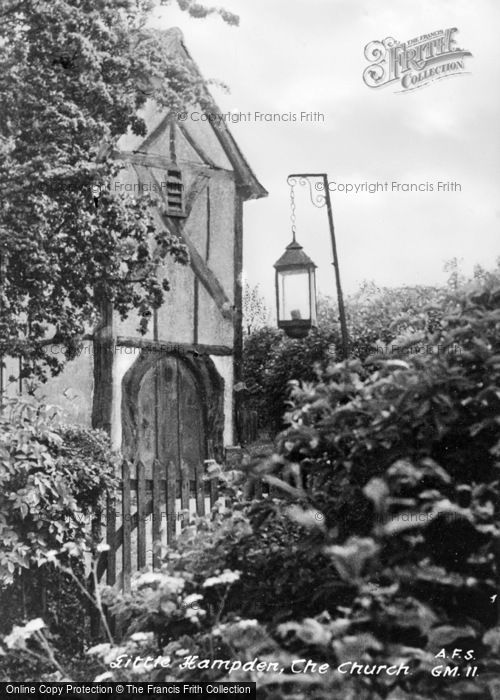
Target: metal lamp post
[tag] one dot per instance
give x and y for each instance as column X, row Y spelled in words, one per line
column 295, row 258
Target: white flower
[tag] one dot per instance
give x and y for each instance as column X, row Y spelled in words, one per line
column 140, row 669
column 168, row 607
column 308, row 518
column 182, row 652
column 245, row 624
column 148, row 578
column 99, row 649
column 103, row 547
column 107, row 676
column 309, row 630
column 226, row 577
column 193, row 613
column 190, row 599
column 174, row 584
column 17, row 638
column 113, row 654
column 142, row 637
column 35, row 625
column 72, row 548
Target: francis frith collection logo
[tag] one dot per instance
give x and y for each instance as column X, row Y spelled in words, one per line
column 414, row 63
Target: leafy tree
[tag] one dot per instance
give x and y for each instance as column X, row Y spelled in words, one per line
column 271, row 361
column 73, row 75
column 255, row 311
column 382, row 321
column 53, row 479
column 377, row 317
column 400, row 467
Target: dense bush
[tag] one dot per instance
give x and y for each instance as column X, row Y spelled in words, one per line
column 379, row 319
column 404, row 466
column 379, row 543
column 53, row 478
column 389, row 518
column 271, row 360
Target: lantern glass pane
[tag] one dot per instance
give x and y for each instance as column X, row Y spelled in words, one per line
column 294, row 295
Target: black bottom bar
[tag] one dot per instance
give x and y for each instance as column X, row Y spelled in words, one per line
column 127, row 691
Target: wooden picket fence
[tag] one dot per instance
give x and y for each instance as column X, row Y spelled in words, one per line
column 145, row 515
column 248, row 425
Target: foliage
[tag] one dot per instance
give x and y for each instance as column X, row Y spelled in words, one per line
column 377, row 544
column 53, row 480
column 378, row 320
column 51, row 594
column 48, row 487
column 381, row 320
column 390, row 517
column 379, row 317
column 271, row 360
column 73, row 76
column 200, row 604
column 403, row 465
column 255, row 311
column 32, row 652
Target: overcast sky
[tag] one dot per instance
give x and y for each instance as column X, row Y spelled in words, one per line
column 308, row 55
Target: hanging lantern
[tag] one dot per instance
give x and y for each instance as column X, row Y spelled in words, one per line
column 295, row 285
column 295, row 291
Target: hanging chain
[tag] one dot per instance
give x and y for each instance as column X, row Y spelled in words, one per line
column 292, row 210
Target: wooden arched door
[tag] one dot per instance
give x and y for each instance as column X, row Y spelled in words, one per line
column 170, row 425
column 172, row 420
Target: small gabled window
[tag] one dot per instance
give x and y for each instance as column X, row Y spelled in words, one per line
column 175, row 193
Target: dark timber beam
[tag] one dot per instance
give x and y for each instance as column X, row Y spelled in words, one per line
column 238, row 303
column 151, row 160
column 168, row 346
column 102, row 404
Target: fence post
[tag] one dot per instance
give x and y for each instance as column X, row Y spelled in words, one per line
column 212, row 482
column 95, row 619
column 126, row 528
column 141, row 515
column 171, row 496
column 156, row 513
column 110, row 539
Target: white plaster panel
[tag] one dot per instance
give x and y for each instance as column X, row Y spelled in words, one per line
column 184, row 151
column 124, row 359
column 202, row 132
column 72, row 390
column 213, row 328
column 221, row 255
column 176, row 315
column 224, row 366
column 129, row 327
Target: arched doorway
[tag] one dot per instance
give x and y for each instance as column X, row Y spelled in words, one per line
column 168, row 418
column 172, row 420
column 172, row 410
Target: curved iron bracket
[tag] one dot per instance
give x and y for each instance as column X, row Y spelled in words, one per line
column 317, row 199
